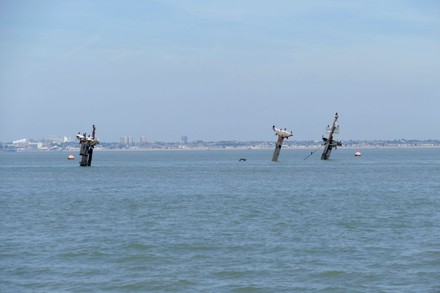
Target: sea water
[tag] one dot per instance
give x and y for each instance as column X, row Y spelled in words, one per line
column 203, row 221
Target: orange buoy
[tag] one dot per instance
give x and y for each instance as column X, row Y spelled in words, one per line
column 70, row 157
column 357, row 154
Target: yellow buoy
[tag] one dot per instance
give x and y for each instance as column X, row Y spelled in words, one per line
column 70, row 157
column 357, row 154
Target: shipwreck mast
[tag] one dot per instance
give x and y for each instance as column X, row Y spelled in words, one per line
column 329, row 143
column 87, row 145
column 282, row 134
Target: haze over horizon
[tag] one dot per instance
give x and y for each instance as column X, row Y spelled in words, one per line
column 219, row 70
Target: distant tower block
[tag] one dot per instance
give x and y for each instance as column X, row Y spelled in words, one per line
column 282, row 134
column 329, row 143
column 184, row 139
column 143, row 140
column 87, row 145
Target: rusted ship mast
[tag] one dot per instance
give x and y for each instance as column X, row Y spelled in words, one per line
column 282, row 134
column 329, row 143
column 87, row 145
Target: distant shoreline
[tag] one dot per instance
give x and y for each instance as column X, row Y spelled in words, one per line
column 26, row 145
column 286, row 148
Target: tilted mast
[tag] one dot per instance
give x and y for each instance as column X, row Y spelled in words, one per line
column 87, row 145
column 282, row 134
column 329, row 143
column 93, row 132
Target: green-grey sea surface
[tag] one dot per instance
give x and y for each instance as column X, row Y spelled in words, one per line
column 203, row 221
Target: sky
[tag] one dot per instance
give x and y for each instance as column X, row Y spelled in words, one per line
column 219, row 70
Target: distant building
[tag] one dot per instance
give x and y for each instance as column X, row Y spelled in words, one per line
column 184, row 139
column 36, row 146
column 56, row 139
column 143, row 140
column 126, row 140
column 20, row 143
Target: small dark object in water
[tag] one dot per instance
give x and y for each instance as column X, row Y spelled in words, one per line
column 242, row 159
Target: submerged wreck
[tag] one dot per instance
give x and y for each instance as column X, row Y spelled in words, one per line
column 282, row 134
column 87, row 145
column 329, row 142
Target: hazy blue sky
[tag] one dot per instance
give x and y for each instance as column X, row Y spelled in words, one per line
column 219, row 70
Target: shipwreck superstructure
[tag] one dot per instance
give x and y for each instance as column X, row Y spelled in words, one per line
column 329, row 142
column 282, row 134
column 87, row 145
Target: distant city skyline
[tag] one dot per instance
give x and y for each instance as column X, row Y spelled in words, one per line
column 129, row 140
column 55, row 143
column 219, row 70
